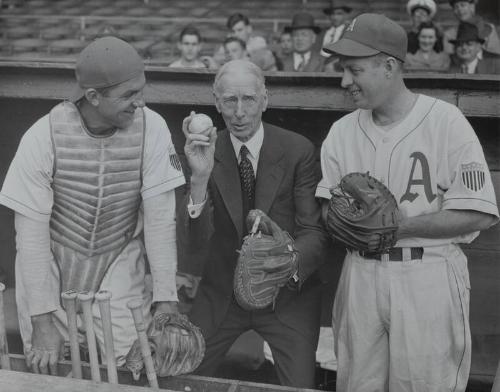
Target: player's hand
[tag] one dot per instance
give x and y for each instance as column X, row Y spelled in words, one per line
column 199, row 150
column 47, row 345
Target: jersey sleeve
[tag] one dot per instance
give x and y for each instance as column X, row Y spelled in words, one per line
column 27, row 186
column 470, row 186
column 162, row 169
column 330, row 169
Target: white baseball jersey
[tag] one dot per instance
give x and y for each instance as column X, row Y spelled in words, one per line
column 431, row 160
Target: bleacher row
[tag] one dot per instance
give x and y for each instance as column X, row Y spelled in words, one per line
column 56, row 30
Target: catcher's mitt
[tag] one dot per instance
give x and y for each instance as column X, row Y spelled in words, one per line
column 266, row 262
column 363, row 214
column 177, row 346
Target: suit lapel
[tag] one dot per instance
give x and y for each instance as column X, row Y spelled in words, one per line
column 227, row 179
column 270, row 170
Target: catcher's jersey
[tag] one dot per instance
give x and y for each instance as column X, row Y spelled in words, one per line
column 431, row 160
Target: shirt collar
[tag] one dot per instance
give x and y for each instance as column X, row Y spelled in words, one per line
column 254, row 144
column 471, row 67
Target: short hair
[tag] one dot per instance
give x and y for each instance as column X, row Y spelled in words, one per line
column 236, row 18
column 228, row 40
column 190, row 30
column 241, row 64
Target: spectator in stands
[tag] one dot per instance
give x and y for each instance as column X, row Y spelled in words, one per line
column 469, row 57
column 190, row 46
column 338, row 13
column 235, row 49
column 420, row 11
column 286, row 44
column 304, row 58
column 219, row 55
column 240, row 27
column 427, row 58
column 264, row 58
column 465, row 11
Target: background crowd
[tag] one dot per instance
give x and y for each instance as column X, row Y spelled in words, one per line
column 470, row 46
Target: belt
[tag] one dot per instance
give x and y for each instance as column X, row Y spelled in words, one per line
column 394, row 254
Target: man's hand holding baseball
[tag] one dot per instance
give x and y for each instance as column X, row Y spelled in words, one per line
column 199, row 150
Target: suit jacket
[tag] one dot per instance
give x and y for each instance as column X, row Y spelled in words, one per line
column 316, row 63
column 285, row 184
column 490, row 64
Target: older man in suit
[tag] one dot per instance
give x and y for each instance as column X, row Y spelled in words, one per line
column 305, row 57
column 469, row 56
column 282, row 167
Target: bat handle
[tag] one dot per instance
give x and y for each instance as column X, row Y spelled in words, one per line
column 4, row 349
column 85, row 299
column 69, row 302
column 103, row 297
column 135, row 306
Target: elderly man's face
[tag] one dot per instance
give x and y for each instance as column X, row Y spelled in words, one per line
column 241, row 99
column 467, row 51
column 464, row 10
column 303, row 40
column 116, row 106
column 242, row 31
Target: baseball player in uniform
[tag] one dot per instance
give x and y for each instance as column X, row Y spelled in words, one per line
column 77, row 184
column 400, row 319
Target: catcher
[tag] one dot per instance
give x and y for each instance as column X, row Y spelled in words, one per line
column 271, row 285
column 400, row 317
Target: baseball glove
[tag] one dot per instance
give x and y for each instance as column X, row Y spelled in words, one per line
column 266, row 262
column 363, row 214
column 177, row 346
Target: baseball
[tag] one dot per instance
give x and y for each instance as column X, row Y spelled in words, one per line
column 200, row 123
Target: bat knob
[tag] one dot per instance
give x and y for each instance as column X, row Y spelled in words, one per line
column 103, row 295
column 134, row 303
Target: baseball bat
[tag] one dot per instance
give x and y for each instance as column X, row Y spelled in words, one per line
column 69, row 302
column 4, row 349
column 103, row 298
column 86, row 298
column 135, row 306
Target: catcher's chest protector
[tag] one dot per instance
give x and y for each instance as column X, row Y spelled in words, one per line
column 96, row 184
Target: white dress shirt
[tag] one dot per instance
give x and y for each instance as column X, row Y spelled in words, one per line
column 332, row 35
column 298, row 58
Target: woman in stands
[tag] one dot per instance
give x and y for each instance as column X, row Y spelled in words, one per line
column 427, row 57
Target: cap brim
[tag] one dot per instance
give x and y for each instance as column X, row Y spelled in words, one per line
column 350, row 48
column 78, row 94
column 458, row 41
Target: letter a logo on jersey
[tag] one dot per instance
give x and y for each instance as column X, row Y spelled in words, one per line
column 425, row 180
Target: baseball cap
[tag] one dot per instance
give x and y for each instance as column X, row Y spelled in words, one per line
column 106, row 62
column 370, row 34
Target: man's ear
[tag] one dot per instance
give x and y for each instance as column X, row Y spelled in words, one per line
column 266, row 100
column 92, row 96
column 391, row 66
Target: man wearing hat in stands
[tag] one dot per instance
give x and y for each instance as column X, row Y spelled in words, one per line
column 400, row 317
column 304, row 57
column 420, row 11
column 338, row 13
column 469, row 58
column 79, row 178
column 465, row 11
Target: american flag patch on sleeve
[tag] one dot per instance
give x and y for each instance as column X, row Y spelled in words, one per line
column 174, row 158
column 473, row 176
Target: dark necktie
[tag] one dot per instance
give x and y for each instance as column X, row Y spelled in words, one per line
column 247, row 177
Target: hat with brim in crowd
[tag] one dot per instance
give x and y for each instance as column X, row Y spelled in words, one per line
column 336, row 6
column 467, row 32
column 427, row 5
column 106, row 62
column 302, row 20
column 371, row 34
